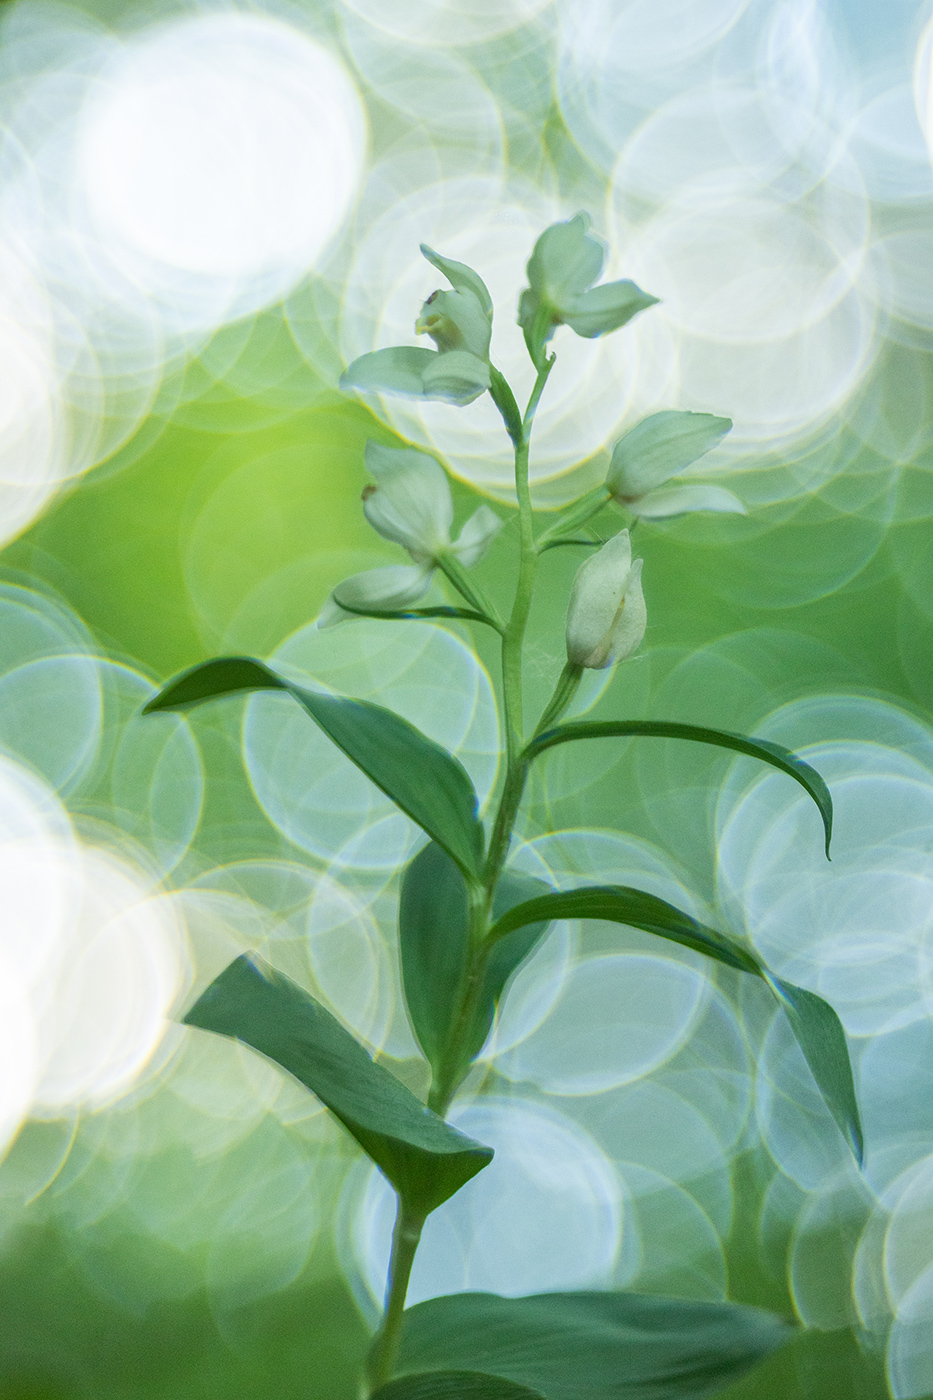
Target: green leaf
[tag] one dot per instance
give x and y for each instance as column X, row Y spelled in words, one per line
column 461, row 277
column 435, row 950
column 397, row 370
column 433, row 924
column 820, row 1035
column 454, row 1385
column 619, row 904
column 420, row 777
column 425, row 1159
column 410, row 614
column 606, row 308
column 226, row 675
column 775, row 754
column 814, row 1023
column 604, row 1346
column 508, row 953
column 659, row 447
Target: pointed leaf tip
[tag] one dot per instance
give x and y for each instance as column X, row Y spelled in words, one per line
column 774, row 754
column 425, row 1159
column 211, row 680
column 820, row 1035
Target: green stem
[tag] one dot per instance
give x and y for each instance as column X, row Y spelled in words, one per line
column 405, row 1240
column 579, row 513
column 451, row 567
column 513, row 641
column 566, row 688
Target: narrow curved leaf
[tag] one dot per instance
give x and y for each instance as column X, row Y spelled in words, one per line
column 454, row 1385
column 425, row 1159
column 775, row 754
column 435, row 950
column 814, row 1023
column 409, row 614
column 619, row 904
column 820, row 1035
column 605, row 1346
column 420, row 777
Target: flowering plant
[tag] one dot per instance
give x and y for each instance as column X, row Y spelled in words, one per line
column 467, row 918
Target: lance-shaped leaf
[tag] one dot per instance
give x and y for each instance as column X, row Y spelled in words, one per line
column 619, row 904
column 434, row 939
column 813, row 1021
column 605, row 1346
column 425, row 1159
column 454, row 1385
column 820, row 1035
column 423, row 779
column 774, row 754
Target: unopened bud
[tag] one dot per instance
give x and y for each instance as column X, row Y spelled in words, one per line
column 606, row 615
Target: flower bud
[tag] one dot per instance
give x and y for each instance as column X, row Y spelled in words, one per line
column 606, row 615
column 659, row 447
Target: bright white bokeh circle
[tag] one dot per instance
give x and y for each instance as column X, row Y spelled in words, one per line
column 221, row 146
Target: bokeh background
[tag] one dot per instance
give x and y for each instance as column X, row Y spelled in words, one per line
column 205, row 212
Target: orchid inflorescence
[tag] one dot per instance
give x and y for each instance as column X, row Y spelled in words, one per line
column 467, row 917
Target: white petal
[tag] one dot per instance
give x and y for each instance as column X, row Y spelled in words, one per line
column 679, row 500
column 595, row 599
column 392, row 589
column 660, row 447
column 411, row 502
column 476, row 536
column 628, row 629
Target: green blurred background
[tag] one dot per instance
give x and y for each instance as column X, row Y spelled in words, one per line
column 763, row 166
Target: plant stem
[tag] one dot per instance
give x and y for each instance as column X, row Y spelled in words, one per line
column 408, row 1225
column 405, row 1240
column 579, row 513
column 513, row 639
column 566, row 688
column 451, row 567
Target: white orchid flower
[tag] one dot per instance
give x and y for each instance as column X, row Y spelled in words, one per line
column 606, row 615
column 410, row 504
column 661, row 447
